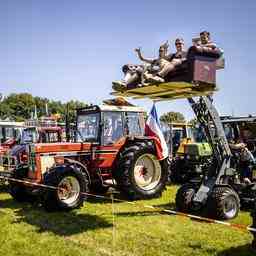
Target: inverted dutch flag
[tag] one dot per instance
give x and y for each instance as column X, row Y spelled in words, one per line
column 153, row 129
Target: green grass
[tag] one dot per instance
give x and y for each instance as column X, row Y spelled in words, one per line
column 28, row 230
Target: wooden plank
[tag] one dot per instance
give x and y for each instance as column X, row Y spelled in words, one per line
column 168, row 91
column 164, row 93
column 181, row 96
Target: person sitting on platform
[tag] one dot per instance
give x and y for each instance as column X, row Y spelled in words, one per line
column 166, row 63
column 205, row 44
column 133, row 74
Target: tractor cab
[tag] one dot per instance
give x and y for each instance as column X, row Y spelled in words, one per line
column 10, row 133
column 106, row 125
column 241, row 129
column 35, row 134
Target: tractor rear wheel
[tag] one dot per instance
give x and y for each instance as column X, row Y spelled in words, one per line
column 71, row 184
column 223, row 203
column 184, row 197
column 140, row 174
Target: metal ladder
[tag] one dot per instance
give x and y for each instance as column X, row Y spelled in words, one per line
column 209, row 119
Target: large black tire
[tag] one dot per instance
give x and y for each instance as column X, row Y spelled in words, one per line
column 18, row 190
column 140, row 175
column 74, row 180
column 178, row 174
column 247, row 196
column 223, row 203
column 98, row 188
column 184, row 197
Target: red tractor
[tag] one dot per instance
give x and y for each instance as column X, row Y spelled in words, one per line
column 35, row 135
column 9, row 135
column 109, row 149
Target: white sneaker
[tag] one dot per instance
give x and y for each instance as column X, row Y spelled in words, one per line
column 247, row 181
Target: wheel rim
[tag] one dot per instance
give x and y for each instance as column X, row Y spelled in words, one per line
column 147, row 172
column 189, row 196
column 230, row 207
column 69, row 190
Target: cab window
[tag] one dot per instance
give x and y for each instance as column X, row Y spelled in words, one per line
column 135, row 124
column 113, row 128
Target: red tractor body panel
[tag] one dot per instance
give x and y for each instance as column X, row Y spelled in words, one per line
column 93, row 156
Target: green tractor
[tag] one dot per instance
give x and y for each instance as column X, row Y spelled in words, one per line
column 192, row 160
column 191, row 156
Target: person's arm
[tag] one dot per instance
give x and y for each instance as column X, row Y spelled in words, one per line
column 237, row 146
column 211, row 45
column 138, row 50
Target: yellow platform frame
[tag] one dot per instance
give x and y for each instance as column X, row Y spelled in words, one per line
column 169, row 91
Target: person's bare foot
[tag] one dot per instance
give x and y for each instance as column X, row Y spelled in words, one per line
column 153, row 78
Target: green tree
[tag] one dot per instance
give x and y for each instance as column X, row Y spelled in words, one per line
column 72, row 106
column 172, row 116
column 5, row 111
column 18, row 107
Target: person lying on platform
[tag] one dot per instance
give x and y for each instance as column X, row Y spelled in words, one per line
column 166, row 63
column 134, row 73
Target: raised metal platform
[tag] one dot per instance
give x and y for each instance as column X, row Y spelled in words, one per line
column 169, row 91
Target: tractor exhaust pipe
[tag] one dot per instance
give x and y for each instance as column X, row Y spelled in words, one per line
column 67, row 124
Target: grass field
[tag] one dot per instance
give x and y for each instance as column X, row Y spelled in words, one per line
column 133, row 230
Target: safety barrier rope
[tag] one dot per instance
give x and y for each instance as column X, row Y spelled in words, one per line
column 112, row 199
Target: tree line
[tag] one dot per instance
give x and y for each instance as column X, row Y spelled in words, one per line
column 21, row 106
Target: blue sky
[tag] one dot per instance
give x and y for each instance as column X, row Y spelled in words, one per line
column 67, row 50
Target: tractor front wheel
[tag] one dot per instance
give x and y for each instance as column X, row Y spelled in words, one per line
column 71, row 188
column 223, row 203
column 184, row 197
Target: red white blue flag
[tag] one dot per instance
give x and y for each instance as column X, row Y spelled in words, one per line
column 153, row 129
